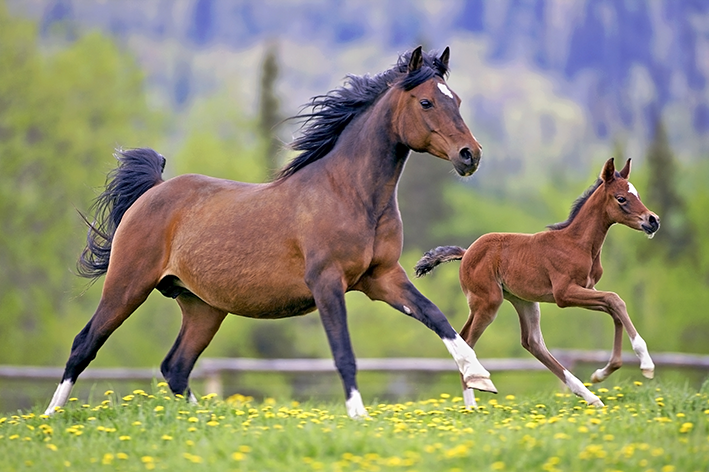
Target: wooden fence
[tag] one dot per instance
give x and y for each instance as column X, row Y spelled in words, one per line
column 212, row 370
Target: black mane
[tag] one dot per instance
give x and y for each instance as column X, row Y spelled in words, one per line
column 332, row 112
column 576, row 207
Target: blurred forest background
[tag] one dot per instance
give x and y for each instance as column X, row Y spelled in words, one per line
column 550, row 88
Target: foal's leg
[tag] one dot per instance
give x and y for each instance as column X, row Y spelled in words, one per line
column 395, row 288
column 616, row 359
column 484, row 304
column 328, row 291
column 533, row 341
column 199, row 324
column 611, row 303
column 119, row 300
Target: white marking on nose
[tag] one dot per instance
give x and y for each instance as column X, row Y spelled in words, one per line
column 445, row 90
column 631, row 189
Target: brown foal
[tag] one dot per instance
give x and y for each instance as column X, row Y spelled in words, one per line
column 328, row 224
column 559, row 266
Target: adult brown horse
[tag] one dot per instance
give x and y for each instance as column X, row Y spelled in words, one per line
column 560, row 266
column 329, row 223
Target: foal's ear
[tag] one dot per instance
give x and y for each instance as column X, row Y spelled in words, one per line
column 625, row 172
column 608, row 172
column 416, row 60
column 445, row 56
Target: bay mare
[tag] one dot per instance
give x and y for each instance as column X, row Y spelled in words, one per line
column 328, row 224
column 559, row 266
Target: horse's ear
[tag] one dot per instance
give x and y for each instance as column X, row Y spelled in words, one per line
column 445, row 57
column 416, row 60
column 608, row 172
column 625, row 172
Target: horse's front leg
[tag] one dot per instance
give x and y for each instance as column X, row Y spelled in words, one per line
column 611, row 303
column 395, row 288
column 328, row 291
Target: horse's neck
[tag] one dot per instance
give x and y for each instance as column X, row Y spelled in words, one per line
column 591, row 225
column 369, row 158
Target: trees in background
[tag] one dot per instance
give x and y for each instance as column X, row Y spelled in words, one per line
column 61, row 114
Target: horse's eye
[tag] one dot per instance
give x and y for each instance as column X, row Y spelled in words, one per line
column 426, row 104
column 621, row 199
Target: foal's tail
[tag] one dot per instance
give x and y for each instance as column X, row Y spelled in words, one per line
column 138, row 171
column 436, row 256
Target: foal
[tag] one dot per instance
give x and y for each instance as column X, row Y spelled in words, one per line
column 560, row 266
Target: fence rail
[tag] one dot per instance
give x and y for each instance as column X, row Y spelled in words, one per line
column 211, row 370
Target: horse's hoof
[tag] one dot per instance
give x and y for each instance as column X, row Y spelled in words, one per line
column 481, row 383
column 597, row 403
column 648, row 373
column 598, row 376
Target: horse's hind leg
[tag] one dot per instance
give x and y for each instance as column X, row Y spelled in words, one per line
column 533, row 341
column 483, row 310
column 199, row 324
column 117, row 303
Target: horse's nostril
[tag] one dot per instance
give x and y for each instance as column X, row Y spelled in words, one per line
column 654, row 221
column 466, row 155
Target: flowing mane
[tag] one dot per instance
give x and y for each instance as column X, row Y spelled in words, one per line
column 576, row 207
column 332, row 112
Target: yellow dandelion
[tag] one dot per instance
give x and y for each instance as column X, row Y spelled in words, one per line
column 122, row 456
column 124, row 438
column 238, row 456
column 498, row 465
column 136, row 423
column 52, row 447
column 158, row 408
column 166, row 437
column 192, row 458
column 193, row 419
column 128, row 398
column 107, row 459
column 686, row 427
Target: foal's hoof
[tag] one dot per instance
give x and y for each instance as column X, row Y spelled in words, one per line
column 598, row 376
column 648, row 373
column 481, row 383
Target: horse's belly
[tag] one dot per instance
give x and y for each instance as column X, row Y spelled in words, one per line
column 264, row 296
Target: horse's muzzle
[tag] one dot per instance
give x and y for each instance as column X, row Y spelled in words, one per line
column 467, row 162
column 651, row 225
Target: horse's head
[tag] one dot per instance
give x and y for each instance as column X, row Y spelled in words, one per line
column 427, row 118
column 623, row 202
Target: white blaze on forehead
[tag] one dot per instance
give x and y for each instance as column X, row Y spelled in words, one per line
column 445, row 90
column 631, row 189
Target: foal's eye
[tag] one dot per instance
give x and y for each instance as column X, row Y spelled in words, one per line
column 426, row 104
column 621, row 199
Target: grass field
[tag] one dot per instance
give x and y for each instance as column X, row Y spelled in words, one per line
column 644, row 427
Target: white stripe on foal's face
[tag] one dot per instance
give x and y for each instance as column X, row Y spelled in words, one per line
column 631, row 189
column 445, row 90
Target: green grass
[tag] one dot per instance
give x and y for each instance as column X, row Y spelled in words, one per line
column 644, row 427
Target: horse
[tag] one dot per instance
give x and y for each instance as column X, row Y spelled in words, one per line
column 327, row 224
column 560, row 266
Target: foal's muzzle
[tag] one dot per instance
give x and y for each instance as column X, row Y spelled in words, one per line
column 467, row 161
column 651, row 225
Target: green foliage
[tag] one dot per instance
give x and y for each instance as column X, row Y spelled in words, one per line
column 60, row 116
column 643, row 427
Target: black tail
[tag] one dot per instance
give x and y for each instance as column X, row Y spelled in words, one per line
column 138, row 171
column 436, row 256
